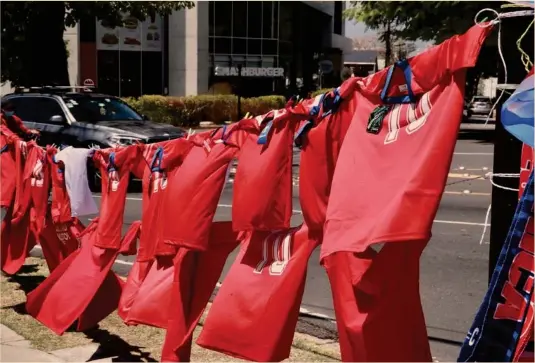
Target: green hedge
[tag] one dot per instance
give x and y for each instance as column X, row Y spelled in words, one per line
column 321, row 91
column 189, row 111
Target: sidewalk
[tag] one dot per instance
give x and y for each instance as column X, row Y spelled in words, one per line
column 15, row 348
column 24, row 339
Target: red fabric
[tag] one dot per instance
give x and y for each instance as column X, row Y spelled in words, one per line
column 81, row 288
column 9, row 167
column 15, row 124
column 262, row 198
column 17, row 238
column 381, row 179
column 255, row 312
column 155, row 186
column 387, row 188
column 115, row 178
column 321, row 146
column 61, row 205
column 192, row 199
column 195, row 277
column 59, row 240
column 377, row 304
column 39, row 177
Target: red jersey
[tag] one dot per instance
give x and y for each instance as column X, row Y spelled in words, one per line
column 412, row 151
column 15, row 124
column 265, row 165
column 114, row 168
column 61, row 205
column 243, row 320
column 319, row 151
column 386, row 188
column 17, row 238
column 9, row 167
column 156, row 171
column 192, row 199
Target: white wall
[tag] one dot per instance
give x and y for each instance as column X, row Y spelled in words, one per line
column 188, row 51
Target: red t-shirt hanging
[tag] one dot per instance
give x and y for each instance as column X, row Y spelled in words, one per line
column 321, row 146
column 114, row 165
column 255, row 312
column 192, row 199
column 262, row 198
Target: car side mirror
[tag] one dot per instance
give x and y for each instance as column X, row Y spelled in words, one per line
column 57, row 118
column 146, row 118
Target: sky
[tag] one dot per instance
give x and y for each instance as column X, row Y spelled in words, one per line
column 355, row 30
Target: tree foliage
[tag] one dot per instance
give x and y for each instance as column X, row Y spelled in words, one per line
column 33, row 50
column 439, row 20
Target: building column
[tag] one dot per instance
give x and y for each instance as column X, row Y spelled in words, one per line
column 188, row 51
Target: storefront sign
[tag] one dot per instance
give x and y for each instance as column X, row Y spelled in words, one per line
column 133, row 36
column 249, row 72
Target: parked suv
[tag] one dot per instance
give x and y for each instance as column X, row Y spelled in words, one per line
column 85, row 118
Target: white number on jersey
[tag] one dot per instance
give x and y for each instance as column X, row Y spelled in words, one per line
column 276, row 254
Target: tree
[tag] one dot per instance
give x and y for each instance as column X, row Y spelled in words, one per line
column 437, row 21
column 33, row 50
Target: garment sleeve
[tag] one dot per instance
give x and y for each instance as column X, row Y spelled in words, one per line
column 19, row 125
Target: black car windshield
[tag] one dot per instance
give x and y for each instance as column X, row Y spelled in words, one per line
column 95, row 109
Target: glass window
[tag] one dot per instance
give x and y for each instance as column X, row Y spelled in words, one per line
column 238, row 60
column 254, row 19
column 254, row 46
column 211, row 45
column 151, row 73
column 222, row 60
column 269, row 47
column 37, row 109
column 222, row 45
column 130, row 74
column 223, row 18
column 254, row 61
column 239, row 46
column 239, row 19
column 268, row 61
column 211, row 18
column 267, row 19
column 95, row 109
column 108, row 71
column 25, row 108
column 286, row 20
column 276, row 19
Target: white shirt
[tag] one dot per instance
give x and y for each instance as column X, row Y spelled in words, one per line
column 75, row 161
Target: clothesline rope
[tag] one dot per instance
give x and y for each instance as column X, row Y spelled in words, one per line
column 490, row 177
column 524, row 56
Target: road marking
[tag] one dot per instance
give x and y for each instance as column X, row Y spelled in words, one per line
column 461, row 223
column 473, row 153
column 465, row 176
column 477, row 194
column 297, row 211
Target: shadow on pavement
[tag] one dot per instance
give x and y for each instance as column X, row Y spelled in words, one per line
column 111, row 345
column 480, row 136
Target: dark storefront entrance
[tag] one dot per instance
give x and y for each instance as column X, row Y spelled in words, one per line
column 127, row 61
column 267, row 34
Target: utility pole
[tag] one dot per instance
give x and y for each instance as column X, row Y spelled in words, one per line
column 507, row 149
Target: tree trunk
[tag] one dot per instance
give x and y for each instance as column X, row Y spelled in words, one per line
column 45, row 54
column 388, row 44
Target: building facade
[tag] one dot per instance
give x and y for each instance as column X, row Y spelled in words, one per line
column 248, row 47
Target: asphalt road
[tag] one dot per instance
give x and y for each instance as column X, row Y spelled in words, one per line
column 453, row 266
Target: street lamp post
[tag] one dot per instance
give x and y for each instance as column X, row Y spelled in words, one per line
column 239, row 91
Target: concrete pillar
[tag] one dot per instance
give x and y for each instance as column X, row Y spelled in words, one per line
column 188, row 51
